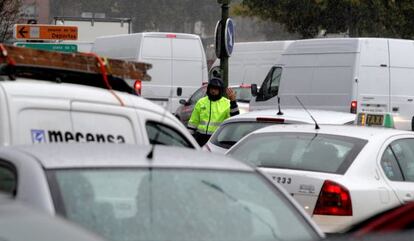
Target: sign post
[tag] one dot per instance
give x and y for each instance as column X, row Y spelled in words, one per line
column 224, row 35
column 44, row 32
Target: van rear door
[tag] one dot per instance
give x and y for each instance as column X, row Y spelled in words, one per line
column 187, row 68
column 402, row 84
column 373, row 80
column 157, row 50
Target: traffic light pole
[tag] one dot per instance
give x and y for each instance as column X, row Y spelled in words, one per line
column 224, row 59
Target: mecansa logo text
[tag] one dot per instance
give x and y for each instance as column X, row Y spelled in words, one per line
column 53, row 136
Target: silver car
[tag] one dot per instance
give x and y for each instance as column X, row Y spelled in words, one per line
column 236, row 127
column 19, row 222
column 128, row 192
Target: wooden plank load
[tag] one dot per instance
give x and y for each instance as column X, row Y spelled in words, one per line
column 78, row 62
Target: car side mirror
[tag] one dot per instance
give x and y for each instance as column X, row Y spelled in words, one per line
column 253, row 89
column 179, row 91
column 183, row 102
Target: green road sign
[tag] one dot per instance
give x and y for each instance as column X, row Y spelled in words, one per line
column 67, row 48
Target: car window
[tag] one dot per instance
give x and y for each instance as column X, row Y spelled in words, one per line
column 300, row 151
column 178, row 204
column 243, row 94
column 200, row 93
column 390, row 166
column 270, row 86
column 8, row 178
column 228, row 134
column 403, row 151
column 165, row 135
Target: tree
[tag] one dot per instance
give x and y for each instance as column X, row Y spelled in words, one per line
column 9, row 12
column 385, row 18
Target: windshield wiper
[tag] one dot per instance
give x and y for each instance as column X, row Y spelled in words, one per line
column 245, row 207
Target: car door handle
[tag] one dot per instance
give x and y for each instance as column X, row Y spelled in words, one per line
column 408, row 197
column 395, row 108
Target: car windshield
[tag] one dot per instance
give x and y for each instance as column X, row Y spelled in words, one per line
column 243, row 94
column 300, row 151
column 230, row 133
column 176, row 204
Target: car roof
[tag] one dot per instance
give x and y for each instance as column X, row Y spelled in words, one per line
column 80, row 155
column 297, row 115
column 362, row 132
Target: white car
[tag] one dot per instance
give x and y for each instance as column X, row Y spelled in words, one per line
column 339, row 174
column 236, row 127
column 132, row 192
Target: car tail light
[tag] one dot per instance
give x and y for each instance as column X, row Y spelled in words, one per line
column 171, row 35
column 334, row 199
column 271, row 120
column 138, row 87
column 354, row 105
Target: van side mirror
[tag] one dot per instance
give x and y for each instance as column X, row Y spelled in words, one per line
column 253, row 89
column 183, row 102
column 179, row 91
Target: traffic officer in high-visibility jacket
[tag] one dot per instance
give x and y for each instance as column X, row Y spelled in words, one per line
column 211, row 110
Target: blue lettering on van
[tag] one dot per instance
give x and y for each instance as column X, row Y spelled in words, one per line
column 54, row 136
column 38, row 136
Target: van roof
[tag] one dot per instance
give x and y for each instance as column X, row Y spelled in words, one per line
column 330, row 45
column 44, row 89
column 153, row 34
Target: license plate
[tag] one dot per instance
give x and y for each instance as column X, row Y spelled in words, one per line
column 374, row 120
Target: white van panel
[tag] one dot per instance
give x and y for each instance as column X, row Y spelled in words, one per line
column 323, row 46
column 156, row 48
column 4, row 119
column 373, row 79
column 319, row 80
column 105, row 124
column 186, row 49
column 126, row 45
column 250, row 61
column 31, row 122
column 402, row 84
column 374, row 52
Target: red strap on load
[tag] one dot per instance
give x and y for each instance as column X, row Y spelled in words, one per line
column 4, row 53
column 104, row 73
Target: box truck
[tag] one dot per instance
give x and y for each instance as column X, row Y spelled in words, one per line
column 179, row 65
column 89, row 28
column 344, row 74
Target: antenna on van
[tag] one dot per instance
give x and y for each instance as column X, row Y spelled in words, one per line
column 278, row 106
column 316, row 124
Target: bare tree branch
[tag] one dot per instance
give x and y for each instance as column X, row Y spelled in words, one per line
column 9, row 12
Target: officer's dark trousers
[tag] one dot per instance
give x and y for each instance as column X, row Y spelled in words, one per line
column 201, row 138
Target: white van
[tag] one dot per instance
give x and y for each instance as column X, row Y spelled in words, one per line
column 179, row 65
column 344, row 74
column 35, row 111
column 250, row 61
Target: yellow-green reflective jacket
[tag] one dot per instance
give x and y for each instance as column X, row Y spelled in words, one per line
column 208, row 115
